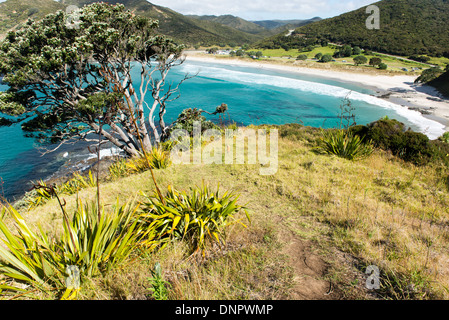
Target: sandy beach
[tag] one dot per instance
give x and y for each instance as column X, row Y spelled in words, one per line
column 399, row 89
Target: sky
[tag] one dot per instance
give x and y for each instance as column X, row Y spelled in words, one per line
column 264, row 9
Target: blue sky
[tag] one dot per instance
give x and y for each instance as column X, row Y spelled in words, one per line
column 264, row 9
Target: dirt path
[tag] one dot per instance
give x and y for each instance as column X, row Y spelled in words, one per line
column 309, row 268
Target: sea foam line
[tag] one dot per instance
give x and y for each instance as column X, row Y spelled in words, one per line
column 431, row 128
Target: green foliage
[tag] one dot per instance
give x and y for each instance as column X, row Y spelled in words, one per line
column 193, row 217
column 118, row 169
column 444, row 137
column 93, row 244
column 326, row 58
column 318, row 56
column 414, row 147
column 383, row 66
column 301, row 57
column 360, row 60
column 407, row 27
column 40, row 195
column 344, row 144
column 96, row 244
column 375, row 61
column 158, row 157
column 188, row 116
column 345, row 51
column 423, row 59
column 158, row 284
column 356, row 51
column 429, row 75
column 70, row 71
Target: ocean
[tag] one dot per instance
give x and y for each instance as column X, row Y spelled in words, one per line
column 253, row 95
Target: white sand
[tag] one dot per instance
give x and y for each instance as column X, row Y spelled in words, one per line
column 399, row 89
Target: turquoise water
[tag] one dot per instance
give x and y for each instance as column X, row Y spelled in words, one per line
column 253, row 96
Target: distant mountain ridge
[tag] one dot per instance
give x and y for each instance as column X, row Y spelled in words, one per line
column 171, row 23
column 234, row 22
column 179, row 27
column 274, row 24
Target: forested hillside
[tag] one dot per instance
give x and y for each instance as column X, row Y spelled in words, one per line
column 407, row 27
column 181, row 28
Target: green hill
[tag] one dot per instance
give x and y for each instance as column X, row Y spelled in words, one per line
column 234, row 22
column 14, row 12
column 181, row 28
column 407, row 27
column 284, row 24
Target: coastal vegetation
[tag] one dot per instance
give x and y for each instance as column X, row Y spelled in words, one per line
column 408, row 28
column 379, row 210
column 59, row 93
column 342, row 200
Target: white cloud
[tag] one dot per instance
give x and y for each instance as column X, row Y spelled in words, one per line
column 264, row 9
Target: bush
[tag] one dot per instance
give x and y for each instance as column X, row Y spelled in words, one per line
column 318, row 56
column 375, row 61
column 326, row 58
column 444, row 137
column 360, row 60
column 301, row 57
column 344, row 144
column 188, row 116
column 93, row 244
column 429, row 75
column 193, row 217
column 383, row 66
column 414, row 147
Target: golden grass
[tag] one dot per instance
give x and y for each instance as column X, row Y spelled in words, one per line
column 377, row 211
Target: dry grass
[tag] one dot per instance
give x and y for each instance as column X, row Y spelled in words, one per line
column 377, row 211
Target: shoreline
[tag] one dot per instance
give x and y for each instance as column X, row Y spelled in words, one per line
column 397, row 89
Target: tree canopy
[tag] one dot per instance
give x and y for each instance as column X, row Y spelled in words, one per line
column 67, row 81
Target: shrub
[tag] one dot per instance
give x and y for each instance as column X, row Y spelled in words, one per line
column 344, row 144
column 159, row 286
column 375, row 61
column 326, row 58
column 301, row 57
column 383, row 66
column 429, row 75
column 444, row 137
column 390, row 134
column 193, row 217
column 360, row 60
column 318, row 56
column 93, row 244
column 157, row 157
column 118, row 169
column 188, row 116
column 40, row 194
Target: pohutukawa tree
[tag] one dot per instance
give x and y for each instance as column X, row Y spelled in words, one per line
column 67, row 81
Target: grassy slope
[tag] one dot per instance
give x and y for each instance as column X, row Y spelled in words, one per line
column 340, row 214
column 13, row 12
